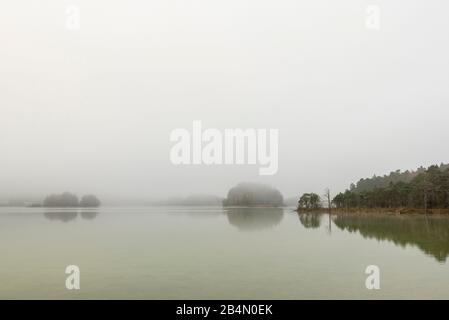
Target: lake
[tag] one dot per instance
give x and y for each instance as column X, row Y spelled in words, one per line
column 216, row 253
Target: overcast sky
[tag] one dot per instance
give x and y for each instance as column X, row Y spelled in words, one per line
column 91, row 110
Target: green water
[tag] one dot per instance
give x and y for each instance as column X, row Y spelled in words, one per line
column 213, row 253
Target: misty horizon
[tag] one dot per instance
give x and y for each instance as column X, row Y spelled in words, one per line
column 90, row 111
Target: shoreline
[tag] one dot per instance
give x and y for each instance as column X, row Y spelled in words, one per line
column 374, row 211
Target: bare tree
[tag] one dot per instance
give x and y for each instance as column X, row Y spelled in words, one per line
column 327, row 195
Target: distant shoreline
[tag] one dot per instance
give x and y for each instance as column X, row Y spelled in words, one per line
column 391, row 211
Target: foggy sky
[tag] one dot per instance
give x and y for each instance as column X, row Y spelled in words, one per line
column 91, row 111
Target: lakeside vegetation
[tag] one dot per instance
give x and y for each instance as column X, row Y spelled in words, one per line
column 425, row 190
column 309, row 201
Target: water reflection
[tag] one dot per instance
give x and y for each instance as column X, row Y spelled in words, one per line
column 89, row 215
column 429, row 234
column 254, row 218
column 195, row 212
column 310, row 220
column 64, row 216
column 70, row 215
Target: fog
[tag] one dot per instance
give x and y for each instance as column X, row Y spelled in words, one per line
column 91, row 110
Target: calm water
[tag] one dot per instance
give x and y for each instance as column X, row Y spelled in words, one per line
column 212, row 253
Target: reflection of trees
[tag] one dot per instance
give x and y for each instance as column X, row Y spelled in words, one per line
column 89, row 215
column 310, row 220
column 430, row 234
column 254, row 218
column 64, row 216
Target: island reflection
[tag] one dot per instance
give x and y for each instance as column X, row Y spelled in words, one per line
column 69, row 215
column 250, row 219
column 429, row 234
column 310, row 220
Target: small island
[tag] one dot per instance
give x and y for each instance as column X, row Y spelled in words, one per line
column 69, row 200
column 253, row 195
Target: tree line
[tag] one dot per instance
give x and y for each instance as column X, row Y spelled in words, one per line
column 424, row 188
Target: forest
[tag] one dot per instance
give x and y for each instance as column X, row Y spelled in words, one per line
column 423, row 188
